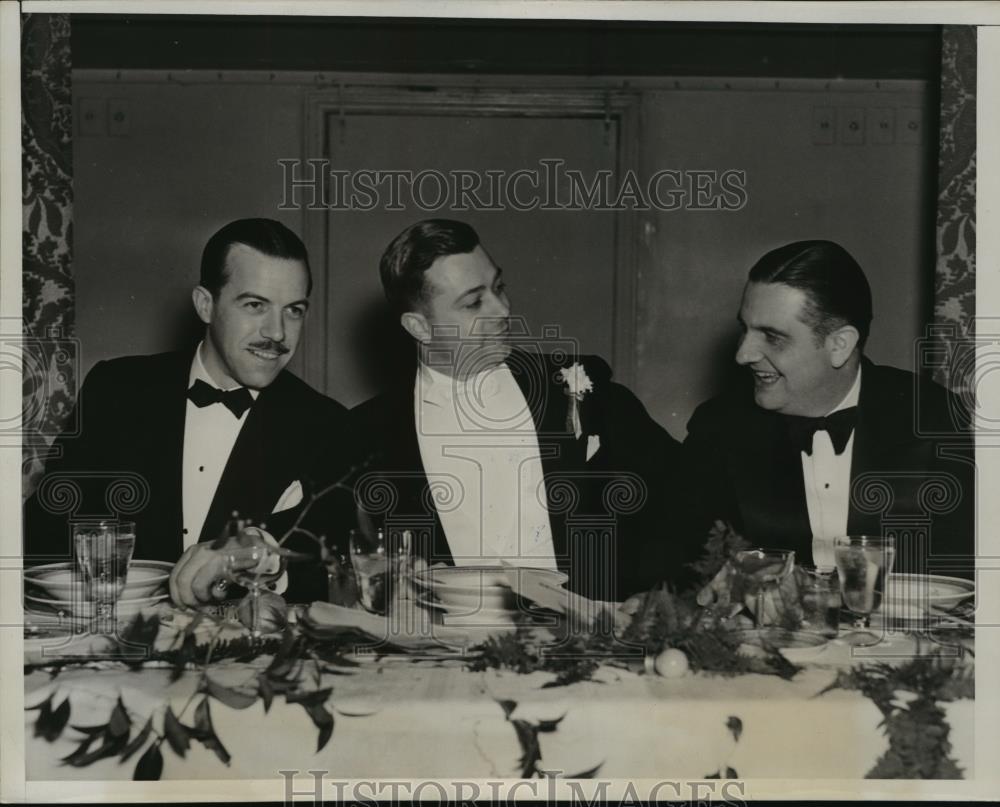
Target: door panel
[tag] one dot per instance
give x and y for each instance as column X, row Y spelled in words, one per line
column 559, row 264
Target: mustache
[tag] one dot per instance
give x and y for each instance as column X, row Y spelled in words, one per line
column 274, row 347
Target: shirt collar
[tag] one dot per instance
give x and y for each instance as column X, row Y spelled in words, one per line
column 440, row 389
column 199, row 373
column 852, row 397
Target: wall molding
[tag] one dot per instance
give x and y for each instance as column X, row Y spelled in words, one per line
column 322, row 110
column 325, row 80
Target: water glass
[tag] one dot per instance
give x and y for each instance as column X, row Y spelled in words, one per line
column 341, row 587
column 863, row 561
column 103, row 554
column 370, row 560
column 819, row 596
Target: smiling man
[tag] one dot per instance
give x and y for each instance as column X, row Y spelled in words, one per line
column 829, row 443
column 496, row 449
column 204, row 432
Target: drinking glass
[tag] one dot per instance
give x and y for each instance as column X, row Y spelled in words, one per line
column 341, row 587
column 271, row 564
column 762, row 570
column 863, row 561
column 819, row 596
column 103, row 554
column 370, row 560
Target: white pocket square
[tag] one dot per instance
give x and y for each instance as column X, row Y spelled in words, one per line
column 593, row 443
column 290, row 498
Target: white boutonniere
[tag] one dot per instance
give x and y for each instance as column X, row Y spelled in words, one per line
column 576, row 380
column 577, row 384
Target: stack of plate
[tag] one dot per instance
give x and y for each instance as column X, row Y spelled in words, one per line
column 477, row 596
column 56, row 589
column 916, row 597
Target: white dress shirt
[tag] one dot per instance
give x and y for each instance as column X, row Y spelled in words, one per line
column 210, row 433
column 480, row 452
column 827, row 478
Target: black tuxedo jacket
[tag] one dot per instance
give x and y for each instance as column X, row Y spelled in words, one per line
column 127, row 460
column 610, row 516
column 912, row 473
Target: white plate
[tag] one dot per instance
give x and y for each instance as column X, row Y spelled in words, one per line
column 797, row 646
column 57, row 580
column 482, row 586
column 480, row 576
column 910, row 595
column 458, row 609
column 125, row 606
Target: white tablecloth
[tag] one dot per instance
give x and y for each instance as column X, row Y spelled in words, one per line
column 400, row 719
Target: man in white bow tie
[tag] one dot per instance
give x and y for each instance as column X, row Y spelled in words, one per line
column 499, row 449
column 206, row 432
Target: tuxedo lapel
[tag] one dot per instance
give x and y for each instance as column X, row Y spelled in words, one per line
column 767, row 470
column 260, row 465
column 548, row 406
column 556, row 443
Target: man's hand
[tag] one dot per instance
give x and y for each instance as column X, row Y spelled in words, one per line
column 194, row 577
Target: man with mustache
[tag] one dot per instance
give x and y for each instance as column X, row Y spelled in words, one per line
column 495, row 452
column 219, row 429
column 827, row 443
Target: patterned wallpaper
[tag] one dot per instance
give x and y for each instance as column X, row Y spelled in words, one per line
column 49, row 382
column 955, row 275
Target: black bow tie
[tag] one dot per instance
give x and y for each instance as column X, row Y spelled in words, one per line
column 236, row 400
column 838, row 425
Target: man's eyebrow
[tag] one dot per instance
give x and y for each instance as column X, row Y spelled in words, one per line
column 481, row 287
column 249, row 295
column 764, row 328
column 474, row 290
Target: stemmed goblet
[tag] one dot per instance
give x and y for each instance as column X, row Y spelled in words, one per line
column 762, row 570
column 270, row 563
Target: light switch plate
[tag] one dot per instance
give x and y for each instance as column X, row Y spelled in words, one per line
column 91, row 116
column 824, row 125
column 882, row 125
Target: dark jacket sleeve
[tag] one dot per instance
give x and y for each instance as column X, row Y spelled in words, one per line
column 707, row 487
column 326, row 511
column 651, row 547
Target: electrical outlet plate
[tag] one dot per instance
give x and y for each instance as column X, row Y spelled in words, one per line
column 119, row 117
column 910, row 126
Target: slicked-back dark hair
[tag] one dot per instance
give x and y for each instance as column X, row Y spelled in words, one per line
column 264, row 235
column 836, row 289
column 411, row 253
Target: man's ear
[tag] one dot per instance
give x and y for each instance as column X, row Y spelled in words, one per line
column 203, row 303
column 840, row 344
column 416, row 325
